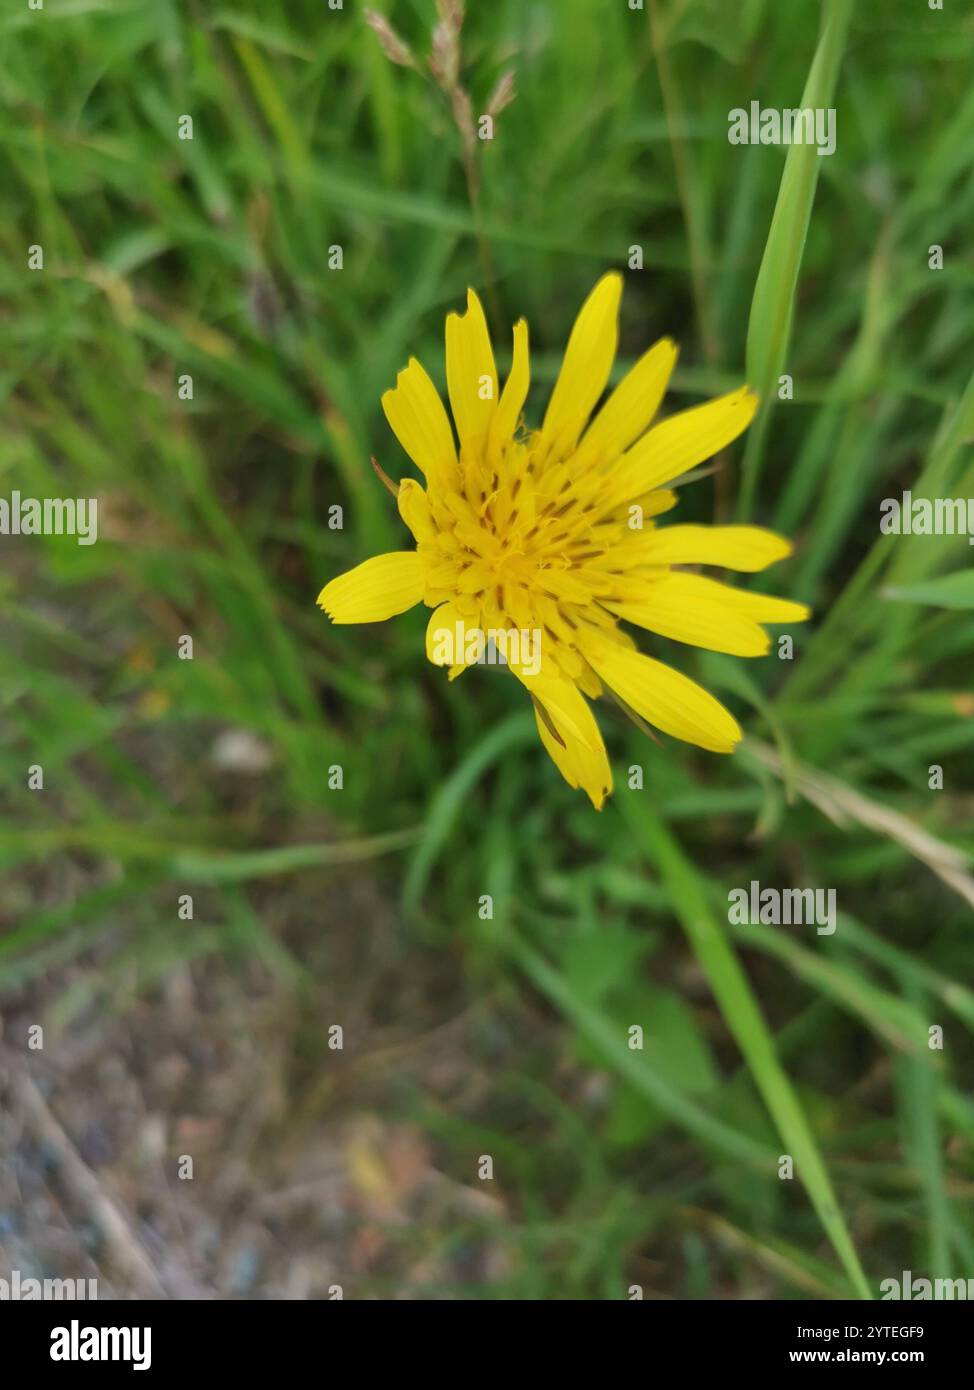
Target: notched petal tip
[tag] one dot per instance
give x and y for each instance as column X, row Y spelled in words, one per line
column 404, row 376
column 322, row 601
column 379, row 588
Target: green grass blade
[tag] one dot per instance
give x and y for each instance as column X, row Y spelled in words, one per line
column 950, row 591
column 772, row 308
column 634, row 1069
column 447, row 802
column 746, row 1023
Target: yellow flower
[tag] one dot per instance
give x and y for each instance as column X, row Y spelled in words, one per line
column 547, row 538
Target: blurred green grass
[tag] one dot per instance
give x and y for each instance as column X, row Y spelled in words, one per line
column 210, row 257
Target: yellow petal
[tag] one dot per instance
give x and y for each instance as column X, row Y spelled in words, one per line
column 515, row 390
column 744, row 548
column 683, row 607
column 441, row 644
column 589, row 683
column 682, row 441
column 558, row 697
column 757, row 608
column 632, row 405
column 414, row 508
column 665, row 698
column 588, row 361
column 471, row 376
column 652, row 504
column 376, row 589
column 419, row 421
column 580, row 757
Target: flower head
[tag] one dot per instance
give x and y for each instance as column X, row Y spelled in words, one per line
column 546, row 540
